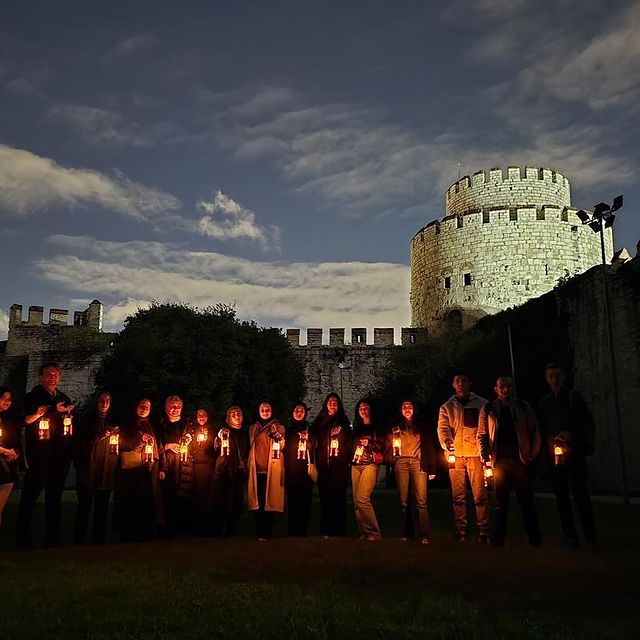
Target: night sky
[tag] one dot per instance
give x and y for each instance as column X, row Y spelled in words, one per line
column 279, row 155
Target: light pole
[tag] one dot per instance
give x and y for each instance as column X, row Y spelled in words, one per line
column 602, row 218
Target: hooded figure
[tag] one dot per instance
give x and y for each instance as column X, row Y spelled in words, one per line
column 231, row 449
column 332, row 432
column 265, row 489
column 203, row 455
column 176, row 461
column 137, row 504
column 299, row 451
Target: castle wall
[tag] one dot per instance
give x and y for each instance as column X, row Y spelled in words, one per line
column 506, row 240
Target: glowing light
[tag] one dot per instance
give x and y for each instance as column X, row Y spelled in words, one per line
column 275, row 449
column 357, row 456
column 201, row 438
column 558, row 454
column 114, row 444
column 224, row 442
column 67, row 426
column 334, row 448
column 148, row 453
column 302, row 446
column 184, row 451
column 43, row 429
column 397, row 445
column 451, row 459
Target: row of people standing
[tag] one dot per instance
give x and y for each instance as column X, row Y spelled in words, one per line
column 180, row 475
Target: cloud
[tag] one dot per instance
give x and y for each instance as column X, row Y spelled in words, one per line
column 130, row 274
column 100, row 126
column 133, row 45
column 226, row 219
column 31, row 183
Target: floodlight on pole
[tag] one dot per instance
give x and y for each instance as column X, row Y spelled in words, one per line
column 602, row 218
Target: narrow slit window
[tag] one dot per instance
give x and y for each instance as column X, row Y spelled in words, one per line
column 447, row 282
column 513, row 215
column 460, row 222
column 467, row 280
column 486, row 217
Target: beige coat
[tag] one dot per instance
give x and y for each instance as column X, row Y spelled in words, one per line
column 275, row 476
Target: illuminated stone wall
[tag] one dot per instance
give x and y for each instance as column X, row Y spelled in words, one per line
column 507, row 236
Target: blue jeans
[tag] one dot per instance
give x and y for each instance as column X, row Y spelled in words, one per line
column 408, row 473
column 363, row 481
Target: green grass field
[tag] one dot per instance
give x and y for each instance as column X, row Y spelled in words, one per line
column 309, row 588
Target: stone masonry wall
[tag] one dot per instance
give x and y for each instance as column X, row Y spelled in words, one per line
column 508, row 241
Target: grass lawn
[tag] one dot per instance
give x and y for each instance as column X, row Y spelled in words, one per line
column 309, row 588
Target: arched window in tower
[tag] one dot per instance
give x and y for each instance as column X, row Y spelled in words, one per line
column 454, row 320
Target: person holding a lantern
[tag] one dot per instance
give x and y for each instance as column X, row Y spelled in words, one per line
column 509, row 441
column 568, row 430
column 231, row 449
column 96, row 458
column 202, row 454
column 48, row 430
column 265, row 487
column 332, row 432
column 9, row 447
column 457, row 432
column 411, row 451
column 175, row 434
column 366, row 455
column 138, row 509
column 299, row 467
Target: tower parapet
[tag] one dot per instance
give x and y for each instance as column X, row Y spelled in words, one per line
column 507, row 236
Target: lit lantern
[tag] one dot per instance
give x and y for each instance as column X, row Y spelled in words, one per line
column 0, row 431
column 488, row 474
column 334, row 448
column 148, row 453
column 302, row 446
column 275, row 449
column 451, row 459
column 558, row 454
column 359, row 452
column 396, row 443
column 224, row 442
column 184, row 451
column 43, row 429
column 201, row 438
column 114, row 444
column 67, row 425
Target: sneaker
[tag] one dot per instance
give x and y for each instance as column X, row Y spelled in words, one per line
column 326, row 537
column 404, row 539
column 424, row 541
column 461, row 537
column 262, row 539
column 371, row 538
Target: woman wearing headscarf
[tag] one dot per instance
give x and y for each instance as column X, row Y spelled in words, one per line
column 96, row 456
column 332, row 432
column 203, row 455
column 137, row 507
column 177, row 489
column 367, row 454
column 411, row 451
column 10, row 429
column 265, row 488
column 299, row 452
column 231, row 449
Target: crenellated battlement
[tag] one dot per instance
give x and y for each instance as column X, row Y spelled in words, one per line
column 513, row 186
column 91, row 317
column 476, row 220
column 382, row 337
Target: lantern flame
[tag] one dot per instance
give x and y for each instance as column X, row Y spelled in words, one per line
column 334, row 448
column 67, row 426
column 43, row 429
column 114, row 443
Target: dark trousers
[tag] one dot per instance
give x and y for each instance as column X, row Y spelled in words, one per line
column 513, row 475
column 332, row 487
column 179, row 516
column 99, row 500
column 263, row 518
column 299, row 495
column 569, row 478
column 227, row 504
column 51, row 479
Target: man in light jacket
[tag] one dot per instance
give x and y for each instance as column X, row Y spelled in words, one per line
column 457, row 429
column 509, row 441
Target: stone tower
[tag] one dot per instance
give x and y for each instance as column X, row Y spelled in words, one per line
column 506, row 237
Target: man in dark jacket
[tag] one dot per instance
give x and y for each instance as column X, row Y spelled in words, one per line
column 47, row 454
column 568, row 435
column 509, row 441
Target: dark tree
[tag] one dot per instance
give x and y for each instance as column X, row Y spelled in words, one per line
column 206, row 356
